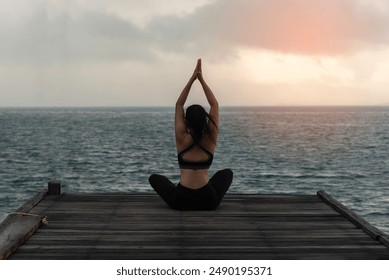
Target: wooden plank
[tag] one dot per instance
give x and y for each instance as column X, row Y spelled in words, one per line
column 202, row 252
column 384, row 239
column 14, row 231
column 354, row 218
column 310, row 233
column 110, row 239
column 32, row 201
column 17, row 228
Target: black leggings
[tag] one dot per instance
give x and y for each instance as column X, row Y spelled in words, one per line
column 179, row 197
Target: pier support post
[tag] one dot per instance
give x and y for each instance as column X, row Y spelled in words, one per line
column 54, row 188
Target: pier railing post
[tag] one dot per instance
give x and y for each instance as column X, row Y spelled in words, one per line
column 54, row 188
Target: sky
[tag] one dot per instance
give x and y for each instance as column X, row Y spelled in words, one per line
column 142, row 53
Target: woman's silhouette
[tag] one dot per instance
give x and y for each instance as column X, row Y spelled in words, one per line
column 196, row 135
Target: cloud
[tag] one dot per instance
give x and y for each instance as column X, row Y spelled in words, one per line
column 307, row 27
column 59, row 34
column 44, row 40
column 299, row 26
column 76, row 31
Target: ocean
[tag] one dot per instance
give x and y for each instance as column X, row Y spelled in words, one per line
column 292, row 150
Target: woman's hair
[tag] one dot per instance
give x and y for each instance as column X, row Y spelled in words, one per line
column 198, row 121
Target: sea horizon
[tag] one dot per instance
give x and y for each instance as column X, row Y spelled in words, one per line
column 172, row 106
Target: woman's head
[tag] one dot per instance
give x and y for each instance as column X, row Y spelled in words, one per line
column 197, row 121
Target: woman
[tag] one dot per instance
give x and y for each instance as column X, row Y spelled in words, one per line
column 196, row 135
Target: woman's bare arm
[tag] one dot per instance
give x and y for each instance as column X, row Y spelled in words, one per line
column 212, row 101
column 208, row 92
column 180, row 125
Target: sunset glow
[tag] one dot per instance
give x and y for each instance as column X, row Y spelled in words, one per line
column 268, row 67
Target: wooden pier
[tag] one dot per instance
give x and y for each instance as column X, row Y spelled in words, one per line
column 140, row 226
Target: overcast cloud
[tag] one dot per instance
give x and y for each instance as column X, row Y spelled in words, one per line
column 47, row 44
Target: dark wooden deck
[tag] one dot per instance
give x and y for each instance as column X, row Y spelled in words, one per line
column 140, row 226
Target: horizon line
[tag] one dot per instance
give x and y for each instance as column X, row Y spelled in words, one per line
column 172, row 106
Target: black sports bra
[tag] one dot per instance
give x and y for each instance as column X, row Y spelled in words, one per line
column 204, row 164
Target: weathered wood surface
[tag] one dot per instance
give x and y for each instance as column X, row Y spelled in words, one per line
column 140, row 226
column 14, row 230
column 17, row 228
column 354, row 218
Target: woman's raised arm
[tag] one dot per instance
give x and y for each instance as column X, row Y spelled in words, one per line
column 180, row 125
column 214, row 111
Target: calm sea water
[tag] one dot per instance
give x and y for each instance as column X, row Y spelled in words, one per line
column 295, row 150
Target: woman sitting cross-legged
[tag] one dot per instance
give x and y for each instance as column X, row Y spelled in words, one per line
column 196, row 135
